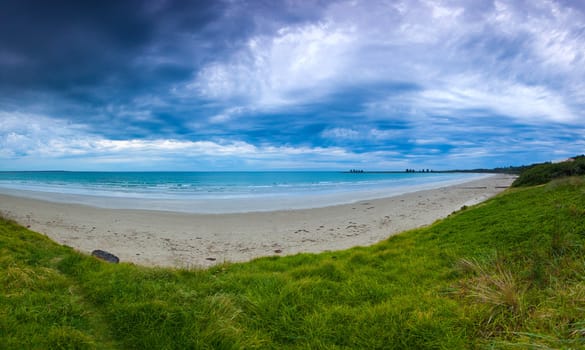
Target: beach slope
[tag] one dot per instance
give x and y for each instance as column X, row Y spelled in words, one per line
column 160, row 238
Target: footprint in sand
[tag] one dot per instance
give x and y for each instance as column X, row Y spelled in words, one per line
column 301, row 231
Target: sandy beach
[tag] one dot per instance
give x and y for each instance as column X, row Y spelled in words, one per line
column 159, row 238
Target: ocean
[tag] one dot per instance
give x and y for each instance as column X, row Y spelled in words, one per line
column 219, row 192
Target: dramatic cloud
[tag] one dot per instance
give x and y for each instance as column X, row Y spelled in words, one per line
column 290, row 84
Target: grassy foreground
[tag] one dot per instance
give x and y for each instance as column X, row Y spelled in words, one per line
column 509, row 273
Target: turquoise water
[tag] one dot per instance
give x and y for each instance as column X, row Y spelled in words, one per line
column 211, row 184
column 220, row 191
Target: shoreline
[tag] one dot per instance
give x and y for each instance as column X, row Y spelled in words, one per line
column 228, row 204
column 179, row 239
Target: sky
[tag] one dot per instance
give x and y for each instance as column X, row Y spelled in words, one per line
column 290, row 84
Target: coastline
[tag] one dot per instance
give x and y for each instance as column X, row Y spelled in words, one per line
column 219, row 201
column 167, row 238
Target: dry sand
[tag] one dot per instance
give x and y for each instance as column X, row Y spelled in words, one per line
column 198, row 240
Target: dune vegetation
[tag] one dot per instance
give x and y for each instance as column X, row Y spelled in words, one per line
column 506, row 274
column 538, row 174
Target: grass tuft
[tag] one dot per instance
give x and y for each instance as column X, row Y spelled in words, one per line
column 495, row 286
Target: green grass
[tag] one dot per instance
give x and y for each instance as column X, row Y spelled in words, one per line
column 506, row 274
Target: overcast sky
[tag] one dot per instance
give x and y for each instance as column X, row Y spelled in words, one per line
column 299, row 84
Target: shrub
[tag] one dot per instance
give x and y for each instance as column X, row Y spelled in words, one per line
column 539, row 174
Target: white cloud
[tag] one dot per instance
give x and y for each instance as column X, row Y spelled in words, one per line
column 273, row 70
column 378, row 134
column 434, row 141
column 41, row 140
column 425, row 43
column 371, row 134
column 229, row 114
column 554, row 32
column 23, row 134
column 532, row 104
column 341, row 133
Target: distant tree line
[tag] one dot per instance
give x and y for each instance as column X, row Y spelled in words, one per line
column 528, row 175
column 514, row 170
column 419, row 171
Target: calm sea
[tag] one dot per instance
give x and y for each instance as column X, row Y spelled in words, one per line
column 218, row 191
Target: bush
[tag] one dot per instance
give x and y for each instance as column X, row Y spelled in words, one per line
column 539, row 174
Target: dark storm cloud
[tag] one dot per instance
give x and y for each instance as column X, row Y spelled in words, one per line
column 67, row 44
column 92, row 60
column 63, row 45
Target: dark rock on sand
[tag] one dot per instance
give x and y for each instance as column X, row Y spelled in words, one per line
column 103, row 255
